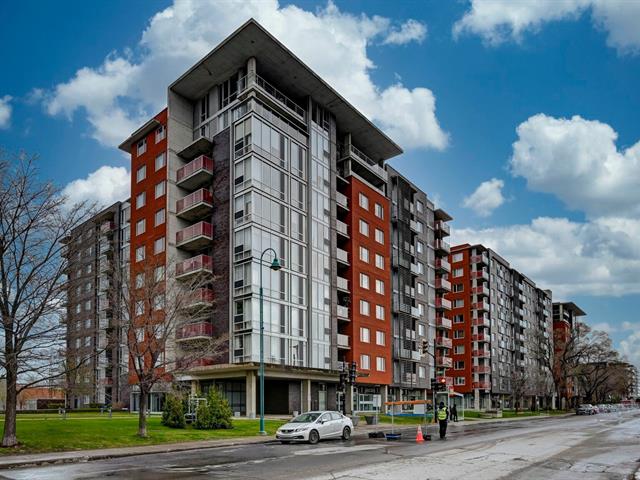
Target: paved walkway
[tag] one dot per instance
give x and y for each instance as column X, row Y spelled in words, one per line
column 362, row 430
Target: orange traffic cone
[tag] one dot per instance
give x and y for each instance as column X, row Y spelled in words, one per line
column 419, row 437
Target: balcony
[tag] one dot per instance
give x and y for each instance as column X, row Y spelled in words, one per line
column 481, row 275
column 415, row 269
column 444, row 342
column 350, row 151
column 342, row 229
column 443, row 304
column 198, row 362
column 443, row 265
column 343, row 284
column 195, row 173
column 342, row 256
column 107, row 227
column 522, row 298
column 443, row 228
column 195, row 237
column 342, row 200
column 415, row 312
column 482, row 369
column 444, row 362
column 442, row 322
column 199, row 299
column 443, row 285
column 343, row 312
column 413, row 225
column 482, row 385
column 481, row 322
column 480, row 337
column 481, row 306
column 274, row 96
column 442, row 247
column 200, row 265
column 195, row 205
column 482, row 259
column 481, row 354
column 194, row 331
column 482, row 290
column 343, row 342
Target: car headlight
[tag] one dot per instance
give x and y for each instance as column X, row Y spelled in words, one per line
column 301, row 429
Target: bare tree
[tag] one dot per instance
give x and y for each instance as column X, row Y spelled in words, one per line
column 519, row 383
column 34, row 219
column 594, row 370
column 157, row 310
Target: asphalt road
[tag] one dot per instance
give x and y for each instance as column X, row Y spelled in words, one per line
column 605, row 446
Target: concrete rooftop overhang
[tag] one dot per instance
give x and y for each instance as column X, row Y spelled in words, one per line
column 279, row 65
column 138, row 134
column 577, row 311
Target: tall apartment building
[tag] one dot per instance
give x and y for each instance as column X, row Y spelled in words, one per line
column 565, row 318
column 96, row 348
column 497, row 313
column 420, row 270
column 256, row 151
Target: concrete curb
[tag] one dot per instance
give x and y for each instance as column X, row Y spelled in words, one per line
column 58, row 458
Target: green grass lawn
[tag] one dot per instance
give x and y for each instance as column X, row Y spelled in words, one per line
column 50, row 433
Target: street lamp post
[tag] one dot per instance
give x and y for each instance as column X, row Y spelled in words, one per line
column 275, row 266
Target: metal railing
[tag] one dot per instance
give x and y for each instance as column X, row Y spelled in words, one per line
column 202, row 162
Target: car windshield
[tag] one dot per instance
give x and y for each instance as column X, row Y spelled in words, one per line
column 306, row 417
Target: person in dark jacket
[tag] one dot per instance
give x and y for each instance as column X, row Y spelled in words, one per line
column 454, row 413
column 443, row 415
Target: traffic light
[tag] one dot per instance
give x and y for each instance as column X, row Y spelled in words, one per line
column 442, row 384
column 425, row 346
column 433, row 384
column 352, row 372
column 343, row 381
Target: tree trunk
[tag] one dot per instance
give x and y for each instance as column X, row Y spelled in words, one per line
column 9, row 438
column 142, row 414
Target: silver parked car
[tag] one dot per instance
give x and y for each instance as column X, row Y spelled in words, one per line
column 315, row 426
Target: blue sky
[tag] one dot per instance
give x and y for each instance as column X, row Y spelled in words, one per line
column 559, row 82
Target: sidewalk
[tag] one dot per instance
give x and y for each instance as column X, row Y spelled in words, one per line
column 361, row 431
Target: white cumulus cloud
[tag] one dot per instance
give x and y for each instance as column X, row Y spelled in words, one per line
column 601, row 257
column 126, row 89
column 486, row 198
column 577, row 160
column 104, row 187
column 499, row 21
column 5, row 111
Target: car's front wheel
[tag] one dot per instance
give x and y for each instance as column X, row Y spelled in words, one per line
column 346, row 433
column 314, row 437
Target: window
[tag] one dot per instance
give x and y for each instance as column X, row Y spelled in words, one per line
column 422, row 372
column 419, row 206
column 364, row 362
column 458, row 334
column 158, row 273
column 364, row 307
column 139, row 307
column 457, row 257
column 365, row 335
column 419, row 247
column 158, row 302
column 141, row 200
column 161, row 133
column 364, row 228
column 141, row 147
column 379, row 312
column 459, row 365
column 458, row 287
column 161, row 161
column 141, row 174
column 161, row 189
column 458, row 303
column 158, row 245
column 139, row 280
column 419, row 227
column 159, row 218
column 140, row 335
column 459, row 380
column 420, row 288
column 364, row 281
column 457, row 272
column 140, row 226
column 364, row 255
column 458, row 318
column 379, row 236
column 380, row 340
column 363, row 200
column 380, row 364
column 458, row 349
column 379, row 211
column 380, row 287
column 139, row 254
column 421, row 329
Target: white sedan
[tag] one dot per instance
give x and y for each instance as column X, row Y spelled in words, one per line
column 313, row 426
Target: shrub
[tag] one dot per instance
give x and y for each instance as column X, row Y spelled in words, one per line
column 216, row 413
column 173, row 413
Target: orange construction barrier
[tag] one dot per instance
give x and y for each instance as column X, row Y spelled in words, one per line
column 419, row 437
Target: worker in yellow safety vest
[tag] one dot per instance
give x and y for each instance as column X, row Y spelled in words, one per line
column 443, row 415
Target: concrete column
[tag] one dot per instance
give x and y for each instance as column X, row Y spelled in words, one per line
column 305, row 395
column 476, row 399
column 250, row 394
column 348, row 399
column 384, row 397
column 194, row 387
column 251, row 70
